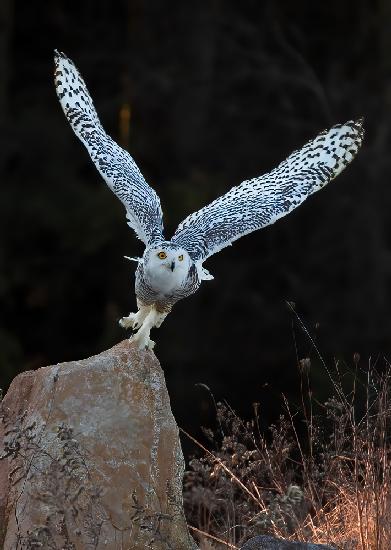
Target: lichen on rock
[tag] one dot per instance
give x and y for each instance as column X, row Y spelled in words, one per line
column 91, row 457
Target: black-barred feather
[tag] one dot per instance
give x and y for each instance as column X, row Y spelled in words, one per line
column 248, row 207
column 116, row 166
column 261, row 201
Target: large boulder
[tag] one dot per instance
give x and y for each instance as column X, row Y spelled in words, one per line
column 91, row 458
column 265, row 542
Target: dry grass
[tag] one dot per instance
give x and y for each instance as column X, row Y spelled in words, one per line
column 330, row 484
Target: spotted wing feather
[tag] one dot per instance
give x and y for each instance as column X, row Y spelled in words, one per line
column 261, row 201
column 115, row 165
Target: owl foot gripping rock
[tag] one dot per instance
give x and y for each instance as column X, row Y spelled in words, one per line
column 172, row 270
column 144, row 320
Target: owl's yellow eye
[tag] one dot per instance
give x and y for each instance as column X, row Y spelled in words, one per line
column 162, row 255
column 180, row 258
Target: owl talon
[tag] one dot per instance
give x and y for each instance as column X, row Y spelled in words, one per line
column 150, row 345
column 127, row 322
column 142, row 341
column 134, row 320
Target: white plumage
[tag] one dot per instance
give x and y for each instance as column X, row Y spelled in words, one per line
column 172, row 270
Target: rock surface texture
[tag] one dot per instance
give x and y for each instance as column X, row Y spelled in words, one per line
column 91, row 458
column 264, row 542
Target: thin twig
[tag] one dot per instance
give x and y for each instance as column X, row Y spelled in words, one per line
column 225, row 468
column 203, row 533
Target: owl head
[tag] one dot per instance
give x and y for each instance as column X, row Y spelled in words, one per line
column 166, row 257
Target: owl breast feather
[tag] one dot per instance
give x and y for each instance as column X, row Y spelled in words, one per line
column 150, row 292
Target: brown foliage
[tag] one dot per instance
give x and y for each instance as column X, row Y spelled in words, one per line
column 331, row 485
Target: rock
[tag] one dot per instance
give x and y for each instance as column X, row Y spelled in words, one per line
column 91, row 457
column 264, row 542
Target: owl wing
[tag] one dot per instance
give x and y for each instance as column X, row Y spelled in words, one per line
column 261, row 201
column 115, row 165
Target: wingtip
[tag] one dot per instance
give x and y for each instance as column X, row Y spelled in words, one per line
column 356, row 125
column 359, row 126
column 59, row 55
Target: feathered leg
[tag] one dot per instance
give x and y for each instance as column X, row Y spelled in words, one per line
column 153, row 319
column 135, row 320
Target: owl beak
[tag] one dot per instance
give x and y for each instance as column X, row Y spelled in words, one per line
column 172, row 266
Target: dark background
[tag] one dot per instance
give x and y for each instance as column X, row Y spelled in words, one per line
column 218, row 92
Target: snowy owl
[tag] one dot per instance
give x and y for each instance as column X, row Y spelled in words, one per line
column 173, row 269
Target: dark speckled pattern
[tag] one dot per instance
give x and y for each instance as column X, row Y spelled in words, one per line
column 261, row 201
column 116, row 166
column 251, row 205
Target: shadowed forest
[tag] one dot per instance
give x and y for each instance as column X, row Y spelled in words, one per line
column 203, row 95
